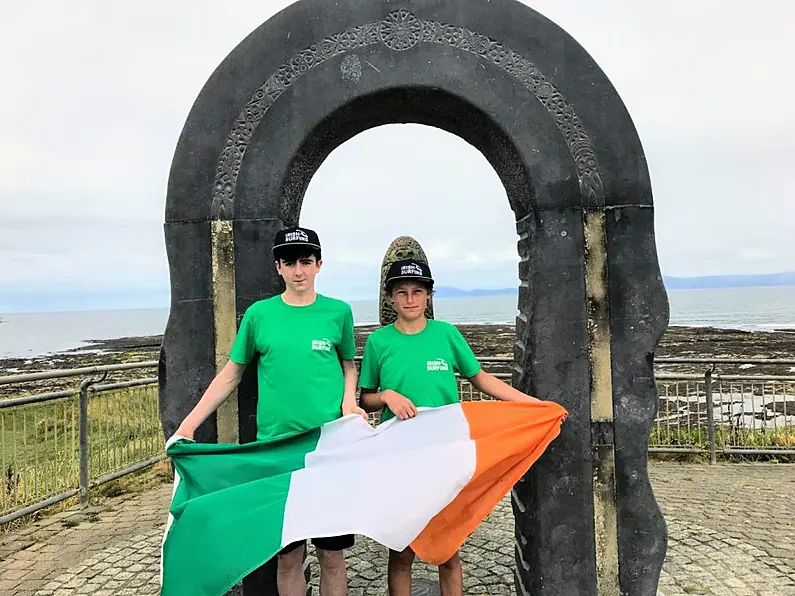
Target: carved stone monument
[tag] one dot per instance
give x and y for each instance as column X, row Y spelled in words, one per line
column 592, row 306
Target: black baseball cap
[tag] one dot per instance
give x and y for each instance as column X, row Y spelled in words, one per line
column 408, row 269
column 296, row 237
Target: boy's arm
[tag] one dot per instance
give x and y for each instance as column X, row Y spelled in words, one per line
column 469, row 367
column 347, row 352
column 401, row 406
column 350, row 377
column 371, row 400
column 219, row 390
column 369, row 380
column 498, row 389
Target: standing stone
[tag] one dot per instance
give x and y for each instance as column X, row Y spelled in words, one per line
column 592, row 306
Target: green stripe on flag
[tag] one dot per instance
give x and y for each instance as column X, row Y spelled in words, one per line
column 228, row 511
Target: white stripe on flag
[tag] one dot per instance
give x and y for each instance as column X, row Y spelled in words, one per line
column 358, row 476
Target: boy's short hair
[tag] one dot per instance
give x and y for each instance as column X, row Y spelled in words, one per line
column 389, row 286
column 291, row 254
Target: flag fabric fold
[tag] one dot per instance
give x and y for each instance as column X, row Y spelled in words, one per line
column 426, row 482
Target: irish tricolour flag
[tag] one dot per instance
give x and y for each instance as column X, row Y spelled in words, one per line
column 425, row 482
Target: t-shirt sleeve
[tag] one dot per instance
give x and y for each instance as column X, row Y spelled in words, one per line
column 465, row 362
column 369, row 377
column 244, row 346
column 347, row 343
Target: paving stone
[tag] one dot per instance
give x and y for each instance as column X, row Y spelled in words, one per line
column 13, row 574
column 730, row 532
column 6, row 585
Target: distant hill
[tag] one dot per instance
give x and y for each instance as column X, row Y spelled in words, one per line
column 730, row 281
column 448, row 292
column 671, row 283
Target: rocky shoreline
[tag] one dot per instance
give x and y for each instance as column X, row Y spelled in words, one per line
column 486, row 341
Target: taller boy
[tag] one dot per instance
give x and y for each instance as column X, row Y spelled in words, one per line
column 304, row 347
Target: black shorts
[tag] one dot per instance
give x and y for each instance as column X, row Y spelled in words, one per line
column 331, row 543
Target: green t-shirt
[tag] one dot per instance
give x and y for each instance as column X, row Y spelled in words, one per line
column 298, row 351
column 420, row 367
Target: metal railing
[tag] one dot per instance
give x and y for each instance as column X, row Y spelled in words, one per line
column 712, row 413
column 58, row 445
column 726, row 414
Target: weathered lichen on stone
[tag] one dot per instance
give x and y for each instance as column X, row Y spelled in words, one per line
column 351, row 68
column 402, row 247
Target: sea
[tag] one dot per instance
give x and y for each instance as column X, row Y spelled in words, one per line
column 750, row 309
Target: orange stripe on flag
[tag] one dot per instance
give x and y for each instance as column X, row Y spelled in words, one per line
column 509, row 437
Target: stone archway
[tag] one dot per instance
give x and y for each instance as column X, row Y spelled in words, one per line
column 592, row 304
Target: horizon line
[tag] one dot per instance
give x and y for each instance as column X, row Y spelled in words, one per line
column 465, row 294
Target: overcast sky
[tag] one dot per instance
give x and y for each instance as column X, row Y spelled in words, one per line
column 95, row 94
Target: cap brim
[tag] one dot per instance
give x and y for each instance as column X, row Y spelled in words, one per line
column 317, row 246
column 415, row 277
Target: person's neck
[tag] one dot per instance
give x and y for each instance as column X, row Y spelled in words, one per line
column 411, row 327
column 299, row 298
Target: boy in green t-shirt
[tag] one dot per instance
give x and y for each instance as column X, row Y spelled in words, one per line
column 304, row 347
column 413, row 363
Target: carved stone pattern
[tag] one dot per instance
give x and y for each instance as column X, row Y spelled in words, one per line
column 567, row 121
column 402, row 247
column 523, row 349
column 228, row 168
column 401, row 30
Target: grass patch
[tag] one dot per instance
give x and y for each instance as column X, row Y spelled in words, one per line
column 40, row 447
column 725, row 438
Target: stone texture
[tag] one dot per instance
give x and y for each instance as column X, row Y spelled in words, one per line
column 256, row 271
column 551, row 354
column 192, row 238
column 518, row 88
column 187, row 363
column 639, row 309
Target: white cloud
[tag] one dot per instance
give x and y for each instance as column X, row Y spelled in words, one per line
column 95, row 95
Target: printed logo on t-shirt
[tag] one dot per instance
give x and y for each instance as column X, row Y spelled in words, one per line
column 411, row 269
column 297, row 236
column 321, row 345
column 438, row 364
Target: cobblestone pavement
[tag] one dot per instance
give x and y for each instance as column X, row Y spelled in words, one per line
column 731, row 532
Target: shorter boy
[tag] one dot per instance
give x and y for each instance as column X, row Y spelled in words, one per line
column 413, row 363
